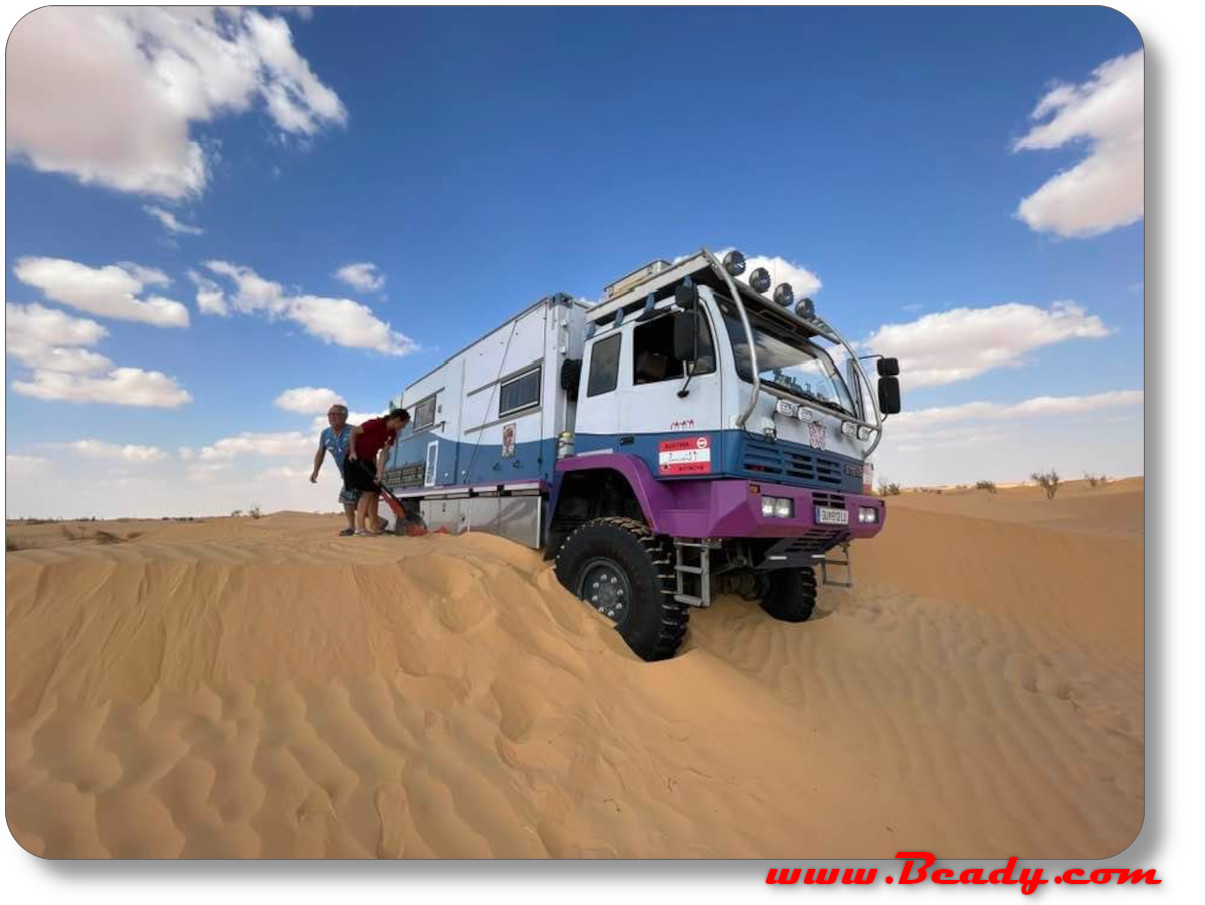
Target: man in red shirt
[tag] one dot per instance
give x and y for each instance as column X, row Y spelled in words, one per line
column 366, row 453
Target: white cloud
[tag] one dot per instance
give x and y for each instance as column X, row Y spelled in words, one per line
column 170, row 223
column 99, row 449
column 185, row 453
column 48, row 341
column 340, row 321
column 45, row 338
column 308, row 400
column 320, row 423
column 110, row 291
column 121, row 386
column 207, row 473
column 109, row 95
column 961, row 444
column 1105, row 189
column 21, row 466
column 960, row 344
column 1037, row 407
column 249, row 443
column 210, row 298
column 285, row 472
column 365, row 276
column 50, row 327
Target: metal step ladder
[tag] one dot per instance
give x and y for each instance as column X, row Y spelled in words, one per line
column 845, row 563
column 700, row 566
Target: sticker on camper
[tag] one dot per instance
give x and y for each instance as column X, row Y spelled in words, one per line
column 689, row 455
column 508, row 440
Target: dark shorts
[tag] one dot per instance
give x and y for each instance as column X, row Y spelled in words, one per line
column 358, row 476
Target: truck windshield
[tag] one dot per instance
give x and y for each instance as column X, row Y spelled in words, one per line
column 787, row 362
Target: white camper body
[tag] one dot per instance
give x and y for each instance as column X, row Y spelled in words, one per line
column 481, row 449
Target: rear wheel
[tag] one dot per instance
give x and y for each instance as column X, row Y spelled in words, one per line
column 790, row 595
column 623, row 570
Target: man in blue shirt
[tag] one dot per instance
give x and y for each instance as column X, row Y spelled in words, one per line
column 335, row 439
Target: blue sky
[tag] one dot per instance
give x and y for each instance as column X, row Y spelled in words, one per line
column 482, row 158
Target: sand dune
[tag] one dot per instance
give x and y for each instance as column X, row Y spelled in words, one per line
column 261, row 688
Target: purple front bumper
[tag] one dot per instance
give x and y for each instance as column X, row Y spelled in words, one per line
column 729, row 507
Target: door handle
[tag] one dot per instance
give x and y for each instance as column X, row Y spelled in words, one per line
column 626, row 441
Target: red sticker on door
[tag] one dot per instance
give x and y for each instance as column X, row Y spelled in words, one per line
column 687, row 455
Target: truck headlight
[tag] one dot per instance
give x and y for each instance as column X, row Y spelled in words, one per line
column 760, row 279
column 868, row 515
column 777, row 507
column 734, row 263
column 864, row 432
column 848, row 428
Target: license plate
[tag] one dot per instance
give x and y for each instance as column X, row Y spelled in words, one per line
column 826, row 516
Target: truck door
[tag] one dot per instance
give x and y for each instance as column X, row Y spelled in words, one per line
column 598, row 396
column 675, row 436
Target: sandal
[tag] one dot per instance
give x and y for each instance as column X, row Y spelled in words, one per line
column 347, row 532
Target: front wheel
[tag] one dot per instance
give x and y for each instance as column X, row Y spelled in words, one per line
column 790, row 595
column 623, row 570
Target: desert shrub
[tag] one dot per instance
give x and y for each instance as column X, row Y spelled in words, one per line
column 238, row 513
column 11, row 545
column 886, row 488
column 1048, row 481
column 1095, row 480
column 254, row 511
column 989, row 486
column 106, row 537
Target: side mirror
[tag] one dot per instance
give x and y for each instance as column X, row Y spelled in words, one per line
column 889, row 367
column 686, row 326
column 889, row 395
column 686, row 295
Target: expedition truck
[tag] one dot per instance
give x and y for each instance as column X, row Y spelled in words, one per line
column 690, row 435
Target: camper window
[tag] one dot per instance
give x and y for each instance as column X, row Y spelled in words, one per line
column 653, row 351
column 520, row 393
column 604, row 365
column 424, row 415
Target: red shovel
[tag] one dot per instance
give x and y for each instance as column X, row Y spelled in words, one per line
column 410, row 519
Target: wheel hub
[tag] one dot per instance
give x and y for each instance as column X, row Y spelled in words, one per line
column 605, row 587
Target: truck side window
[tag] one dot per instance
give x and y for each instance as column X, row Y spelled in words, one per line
column 604, row 366
column 424, row 415
column 653, row 351
column 519, row 393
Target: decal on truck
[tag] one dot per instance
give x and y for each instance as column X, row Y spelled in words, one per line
column 690, row 455
column 816, row 433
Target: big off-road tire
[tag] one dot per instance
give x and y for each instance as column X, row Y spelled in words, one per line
column 790, row 595
column 619, row 567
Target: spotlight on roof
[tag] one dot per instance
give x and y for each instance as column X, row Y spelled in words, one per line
column 734, row 263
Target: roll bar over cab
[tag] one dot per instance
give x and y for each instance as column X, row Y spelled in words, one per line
column 692, row 437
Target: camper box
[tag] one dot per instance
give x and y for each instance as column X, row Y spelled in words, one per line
column 481, row 446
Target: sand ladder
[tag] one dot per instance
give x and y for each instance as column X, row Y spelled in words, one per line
column 692, row 558
column 845, row 563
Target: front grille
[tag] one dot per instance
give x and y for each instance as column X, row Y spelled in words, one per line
column 763, row 457
column 828, row 500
